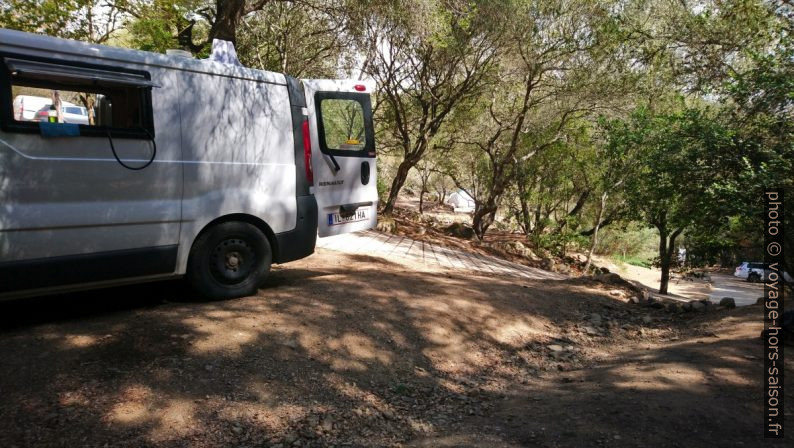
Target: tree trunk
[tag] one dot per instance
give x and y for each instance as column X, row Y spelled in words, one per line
column 594, row 240
column 483, row 218
column 666, row 249
column 664, row 261
column 229, row 14
column 397, row 184
column 526, row 219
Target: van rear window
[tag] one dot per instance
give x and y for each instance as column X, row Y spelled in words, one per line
column 344, row 124
column 101, row 101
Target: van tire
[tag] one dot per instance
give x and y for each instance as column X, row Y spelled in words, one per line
column 230, row 259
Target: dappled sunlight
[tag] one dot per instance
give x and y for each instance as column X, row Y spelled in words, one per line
column 133, row 407
column 175, row 418
column 414, row 354
column 80, row 340
column 674, row 375
column 354, row 349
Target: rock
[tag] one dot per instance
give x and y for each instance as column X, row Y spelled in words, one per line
column 610, row 278
column 657, row 305
column 555, row 348
column 760, row 300
column 616, row 293
column 237, row 430
column 290, row 438
column 635, row 299
column 460, row 230
column 547, row 264
column 386, row 225
column 591, row 331
column 595, row 319
column 728, row 302
column 562, row 268
column 698, row 306
column 647, row 319
column 686, row 306
column 645, row 295
column 328, row 423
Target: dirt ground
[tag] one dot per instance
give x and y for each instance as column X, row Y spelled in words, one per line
column 350, row 350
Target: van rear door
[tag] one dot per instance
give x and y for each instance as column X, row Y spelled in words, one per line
column 339, row 116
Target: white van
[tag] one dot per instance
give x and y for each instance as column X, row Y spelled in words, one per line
column 26, row 106
column 191, row 168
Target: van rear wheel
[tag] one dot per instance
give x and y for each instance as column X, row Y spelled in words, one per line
column 231, row 259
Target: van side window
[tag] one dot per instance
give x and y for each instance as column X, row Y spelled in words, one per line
column 99, row 99
column 344, row 124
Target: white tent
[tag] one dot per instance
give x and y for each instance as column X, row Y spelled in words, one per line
column 461, row 202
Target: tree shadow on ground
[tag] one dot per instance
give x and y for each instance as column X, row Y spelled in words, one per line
column 357, row 350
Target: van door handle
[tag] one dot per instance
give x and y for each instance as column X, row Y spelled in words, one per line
column 364, row 173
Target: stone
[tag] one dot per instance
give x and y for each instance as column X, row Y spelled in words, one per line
column 237, row 430
column 728, row 302
column 698, row 306
column 686, row 306
column 609, row 277
column 760, row 300
column 591, row 331
column 460, row 230
column 595, row 319
column 645, row 295
column 555, row 348
column 328, row 423
column 647, row 319
column 386, row 225
column 616, row 293
column 635, row 300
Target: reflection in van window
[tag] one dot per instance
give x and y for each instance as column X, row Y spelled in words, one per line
column 72, row 98
column 343, row 124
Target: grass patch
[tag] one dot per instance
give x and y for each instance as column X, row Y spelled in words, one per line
column 633, row 260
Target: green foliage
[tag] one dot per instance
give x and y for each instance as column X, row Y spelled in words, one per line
column 633, row 260
column 633, row 240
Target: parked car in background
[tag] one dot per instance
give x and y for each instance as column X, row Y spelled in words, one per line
column 756, row 272
column 26, row 106
column 71, row 113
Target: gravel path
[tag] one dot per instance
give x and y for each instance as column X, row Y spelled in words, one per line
column 404, row 250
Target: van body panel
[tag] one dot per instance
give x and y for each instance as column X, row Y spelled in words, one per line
column 238, row 154
column 337, row 190
column 68, row 195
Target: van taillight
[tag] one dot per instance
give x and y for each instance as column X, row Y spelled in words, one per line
column 307, row 152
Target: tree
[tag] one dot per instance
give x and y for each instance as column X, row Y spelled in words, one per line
column 86, row 20
column 427, row 59
column 161, row 24
column 559, row 67
column 681, row 156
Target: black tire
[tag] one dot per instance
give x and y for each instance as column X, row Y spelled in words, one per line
column 231, row 259
column 753, row 278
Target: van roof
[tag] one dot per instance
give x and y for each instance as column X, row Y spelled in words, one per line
column 40, row 45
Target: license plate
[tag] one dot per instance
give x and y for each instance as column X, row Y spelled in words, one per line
column 334, row 219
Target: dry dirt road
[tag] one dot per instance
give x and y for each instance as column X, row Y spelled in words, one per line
column 351, row 350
